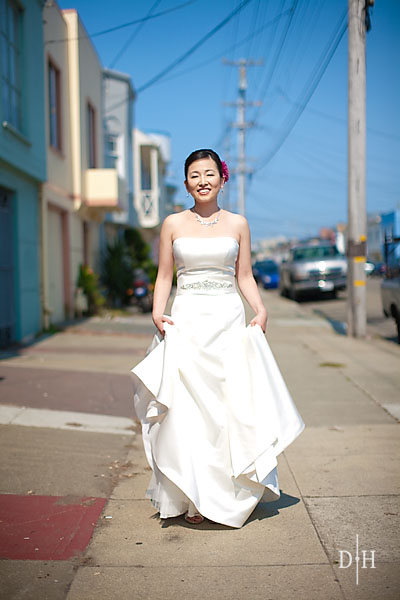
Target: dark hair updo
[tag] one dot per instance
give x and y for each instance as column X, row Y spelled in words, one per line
column 203, row 153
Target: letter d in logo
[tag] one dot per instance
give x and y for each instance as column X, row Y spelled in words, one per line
column 341, row 565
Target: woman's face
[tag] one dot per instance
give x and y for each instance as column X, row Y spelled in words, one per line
column 203, row 180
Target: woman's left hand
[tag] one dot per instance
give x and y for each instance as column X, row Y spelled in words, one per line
column 261, row 320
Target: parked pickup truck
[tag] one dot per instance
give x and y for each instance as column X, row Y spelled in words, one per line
column 313, row 268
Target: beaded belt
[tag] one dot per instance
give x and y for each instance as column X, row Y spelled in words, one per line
column 206, row 286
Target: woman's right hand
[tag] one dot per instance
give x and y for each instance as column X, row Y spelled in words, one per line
column 158, row 321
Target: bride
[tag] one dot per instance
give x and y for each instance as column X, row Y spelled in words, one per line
column 214, row 408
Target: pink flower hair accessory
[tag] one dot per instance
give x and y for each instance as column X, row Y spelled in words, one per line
column 225, row 170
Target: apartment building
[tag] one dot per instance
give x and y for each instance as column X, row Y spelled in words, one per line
column 22, row 168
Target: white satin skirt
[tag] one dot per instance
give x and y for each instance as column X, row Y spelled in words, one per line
column 215, row 412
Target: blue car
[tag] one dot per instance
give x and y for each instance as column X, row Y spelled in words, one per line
column 266, row 272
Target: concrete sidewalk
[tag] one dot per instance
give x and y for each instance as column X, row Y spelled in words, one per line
column 339, row 480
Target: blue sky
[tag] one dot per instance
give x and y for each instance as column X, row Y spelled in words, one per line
column 302, row 186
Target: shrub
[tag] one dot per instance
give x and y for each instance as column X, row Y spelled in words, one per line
column 117, row 272
column 140, row 253
column 89, row 282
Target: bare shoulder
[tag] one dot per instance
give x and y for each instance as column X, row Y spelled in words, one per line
column 171, row 220
column 174, row 223
column 237, row 222
column 235, row 219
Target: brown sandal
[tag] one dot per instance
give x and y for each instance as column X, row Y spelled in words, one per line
column 195, row 519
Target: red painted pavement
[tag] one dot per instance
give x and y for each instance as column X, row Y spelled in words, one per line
column 46, row 527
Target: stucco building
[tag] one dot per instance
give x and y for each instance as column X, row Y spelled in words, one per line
column 118, row 100
column 80, row 190
column 22, row 168
column 153, row 196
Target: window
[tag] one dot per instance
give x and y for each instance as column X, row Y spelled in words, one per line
column 145, row 167
column 314, row 252
column 91, row 122
column 10, row 33
column 54, row 106
column 85, row 230
column 111, row 151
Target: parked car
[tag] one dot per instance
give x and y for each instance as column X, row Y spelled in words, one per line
column 379, row 269
column 390, row 294
column 313, row 268
column 266, row 272
column 369, row 267
column 390, row 285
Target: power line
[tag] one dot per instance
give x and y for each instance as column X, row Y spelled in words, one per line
column 123, row 25
column 308, row 90
column 252, row 26
column 191, row 50
column 254, row 34
column 184, row 56
column 325, row 115
column 277, row 56
column 227, row 50
column 133, row 35
column 306, row 26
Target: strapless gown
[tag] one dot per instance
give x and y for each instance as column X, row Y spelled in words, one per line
column 214, row 408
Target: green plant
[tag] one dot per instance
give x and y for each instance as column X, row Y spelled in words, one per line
column 88, row 280
column 117, row 272
column 140, row 253
column 139, row 249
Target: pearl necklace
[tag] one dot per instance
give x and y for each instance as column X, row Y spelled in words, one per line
column 207, row 223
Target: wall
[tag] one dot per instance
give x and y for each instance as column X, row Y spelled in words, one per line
column 58, row 286
column 25, row 150
column 25, row 216
column 22, row 169
column 85, row 85
column 118, row 99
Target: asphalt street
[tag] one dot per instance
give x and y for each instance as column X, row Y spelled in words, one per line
column 335, row 310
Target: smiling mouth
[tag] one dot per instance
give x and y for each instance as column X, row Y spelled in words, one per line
column 204, row 191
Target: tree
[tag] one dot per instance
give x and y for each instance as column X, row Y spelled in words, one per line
column 117, row 272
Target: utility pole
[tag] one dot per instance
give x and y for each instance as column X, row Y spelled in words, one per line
column 227, row 158
column 242, row 170
column 358, row 23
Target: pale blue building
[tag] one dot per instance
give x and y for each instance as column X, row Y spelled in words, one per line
column 390, row 223
column 22, row 167
column 118, row 103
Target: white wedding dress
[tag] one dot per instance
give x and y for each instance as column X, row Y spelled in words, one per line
column 214, row 408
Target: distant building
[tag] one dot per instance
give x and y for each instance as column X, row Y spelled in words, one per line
column 378, row 225
column 153, row 197
column 375, row 237
column 22, row 168
column 327, row 234
column 275, row 247
column 341, row 237
column 390, row 223
column 118, row 99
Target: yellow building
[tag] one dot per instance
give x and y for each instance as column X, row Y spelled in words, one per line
column 79, row 190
